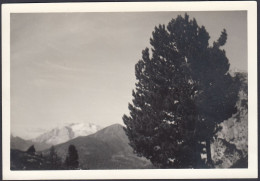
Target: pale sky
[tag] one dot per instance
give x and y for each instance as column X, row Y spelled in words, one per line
column 79, row 67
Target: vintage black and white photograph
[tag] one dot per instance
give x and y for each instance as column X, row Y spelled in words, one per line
column 129, row 90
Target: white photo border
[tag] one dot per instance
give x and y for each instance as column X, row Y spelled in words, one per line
column 249, row 6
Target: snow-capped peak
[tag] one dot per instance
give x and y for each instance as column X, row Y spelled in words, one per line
column 67, row 132
column 83, row 129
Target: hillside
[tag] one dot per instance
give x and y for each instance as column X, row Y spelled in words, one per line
column 106, row 149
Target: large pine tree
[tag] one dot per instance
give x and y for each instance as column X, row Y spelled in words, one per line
column 183, row 92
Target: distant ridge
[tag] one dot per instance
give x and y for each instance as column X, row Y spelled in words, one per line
column 23, row 145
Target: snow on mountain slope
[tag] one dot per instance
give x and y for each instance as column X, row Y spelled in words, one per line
column 67, row 132
column 82, row 129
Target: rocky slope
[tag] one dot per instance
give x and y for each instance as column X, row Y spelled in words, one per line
column 230, row 148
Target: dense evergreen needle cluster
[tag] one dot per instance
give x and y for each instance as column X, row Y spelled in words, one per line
column 183, row 92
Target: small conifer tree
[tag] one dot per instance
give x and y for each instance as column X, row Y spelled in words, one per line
column 71, row 161
column 54, row 159
column 31, row 150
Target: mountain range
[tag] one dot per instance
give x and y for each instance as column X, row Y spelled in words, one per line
column 55, row 136
column 22, row 144
column 107, row 148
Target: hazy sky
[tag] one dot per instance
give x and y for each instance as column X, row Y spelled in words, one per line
column 79, row 67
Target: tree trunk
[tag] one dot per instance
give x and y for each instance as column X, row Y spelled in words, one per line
column 197, row 156
column 209, row 160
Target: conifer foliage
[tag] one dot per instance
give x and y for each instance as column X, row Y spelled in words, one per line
column 183, row 92
column 31, row 150
column 71, row 161
column 54, row 159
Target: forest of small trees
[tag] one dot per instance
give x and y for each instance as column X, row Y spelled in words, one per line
column 47, row 161
column 71, row 162
column 183, row 93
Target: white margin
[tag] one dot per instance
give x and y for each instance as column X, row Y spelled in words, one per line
column 249, row 6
